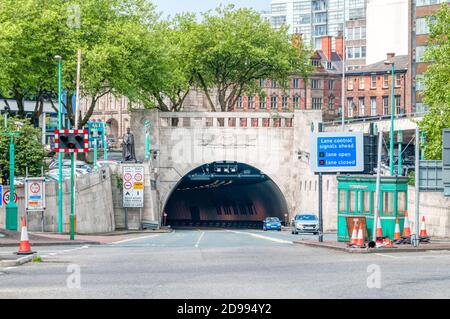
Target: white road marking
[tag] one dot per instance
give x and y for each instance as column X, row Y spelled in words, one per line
column 387, row 255
column 282, row 241
column 199, row 239
column 132, row 239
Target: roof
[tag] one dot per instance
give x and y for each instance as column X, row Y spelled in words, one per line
column 400, row 64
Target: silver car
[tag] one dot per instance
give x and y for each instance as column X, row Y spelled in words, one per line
column 305, row 223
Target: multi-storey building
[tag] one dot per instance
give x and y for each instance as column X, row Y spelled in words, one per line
column 418, row 39
column 315, row 19
column 368, row 90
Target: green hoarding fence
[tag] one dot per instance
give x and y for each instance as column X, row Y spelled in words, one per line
column 356, row 196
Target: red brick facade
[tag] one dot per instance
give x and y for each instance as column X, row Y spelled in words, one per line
column 368, row 90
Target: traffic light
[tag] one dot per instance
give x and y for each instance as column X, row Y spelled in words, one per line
column 71, row 141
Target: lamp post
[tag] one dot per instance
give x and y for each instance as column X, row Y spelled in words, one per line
column 391, row 136
column 11, row 207
column 60, row 177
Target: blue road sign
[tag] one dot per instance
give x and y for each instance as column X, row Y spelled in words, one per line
column 96, row 131
column 1, row 195
column 337, row 152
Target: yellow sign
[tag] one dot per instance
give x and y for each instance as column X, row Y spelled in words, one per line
column 138, row 185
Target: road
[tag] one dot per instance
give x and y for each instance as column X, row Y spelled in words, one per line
column 207, row 263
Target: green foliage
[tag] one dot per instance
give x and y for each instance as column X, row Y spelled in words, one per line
column 437, row 83
column 37, row 259
column 127, row 49
column 234, row 48
column 28, row 148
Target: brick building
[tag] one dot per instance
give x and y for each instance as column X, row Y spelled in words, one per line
column 322, row 91
column 368, row 89
column 418, row 40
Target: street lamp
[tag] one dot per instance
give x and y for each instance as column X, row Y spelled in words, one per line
column 391, row 146
column 11, row 207
column 60, row 177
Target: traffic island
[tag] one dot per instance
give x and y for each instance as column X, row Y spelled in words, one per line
column 14, row 260
column 339, row 246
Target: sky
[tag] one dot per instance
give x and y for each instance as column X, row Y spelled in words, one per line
column 172, row 7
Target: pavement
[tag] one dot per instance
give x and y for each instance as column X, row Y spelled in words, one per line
column 342, row 246
column 224, row 264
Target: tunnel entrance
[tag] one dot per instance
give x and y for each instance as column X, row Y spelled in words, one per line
column 227, row 195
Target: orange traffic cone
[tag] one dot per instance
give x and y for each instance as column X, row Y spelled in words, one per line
column 397, row 230
column 423, row 229
column 24, row 247
column 379, row 229
column 360, row 241
column 354, row 238
column 406, row 228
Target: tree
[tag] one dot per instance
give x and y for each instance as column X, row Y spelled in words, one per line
column 28, row 148
column 233, row 48
column 109, row 33
column 437, row 83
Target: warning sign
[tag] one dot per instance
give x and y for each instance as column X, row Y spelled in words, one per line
column 133, row 186
column 6, row 197
column 35, row 194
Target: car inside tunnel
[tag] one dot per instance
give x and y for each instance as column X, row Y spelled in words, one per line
column 225, row 195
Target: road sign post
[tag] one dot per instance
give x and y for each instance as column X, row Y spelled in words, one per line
column 35, row 196
column 133, row 189
column 332, row 153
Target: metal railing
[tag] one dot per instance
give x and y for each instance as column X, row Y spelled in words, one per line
column 373, row 118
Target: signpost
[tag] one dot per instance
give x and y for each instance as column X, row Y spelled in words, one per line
column 1, row 195
column 133, row 189
column 35, row 196
column 332, row 153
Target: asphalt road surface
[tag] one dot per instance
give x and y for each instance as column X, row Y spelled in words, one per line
column 208, row 263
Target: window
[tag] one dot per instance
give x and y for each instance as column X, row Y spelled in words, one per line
column 273, row 84
column 357, row 52
column 361, row 83
column 363, row 52
column 373, row 106
column 284, row 102
column 251, row 104
column 420, row 3
column 239, row 103
column 420, row 51
column 273, row 102
column 262, row 83
column 398, row 80
column 373, row 82
column 262, row 103
column 296, row 101
column 349, row 53
column 350, row 84
column 385, row 81
column 317, row 103
column 398, row 104
column 331, row 104
column 330, row 85
column 362, row 107
column 350, row 107
column 315, row 62
column 278, row 8
column 296, row 83
column 278, row 21
column 315, row 84
column 385, row 105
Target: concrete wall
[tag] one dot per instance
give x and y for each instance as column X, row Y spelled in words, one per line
column 198, row 139
column 436, row 209
column 94, row 206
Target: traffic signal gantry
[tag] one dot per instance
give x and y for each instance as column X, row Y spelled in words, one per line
column 72, row 141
